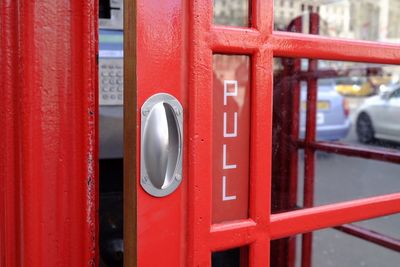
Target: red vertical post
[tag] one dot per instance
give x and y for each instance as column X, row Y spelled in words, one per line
column 309, row 162
column 199, row 144
column 309, row 152
column 287, row 116
column 48, row 164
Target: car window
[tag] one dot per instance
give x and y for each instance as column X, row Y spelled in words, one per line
column 396, row 94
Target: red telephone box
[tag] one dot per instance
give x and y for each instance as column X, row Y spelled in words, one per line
column 218, row 87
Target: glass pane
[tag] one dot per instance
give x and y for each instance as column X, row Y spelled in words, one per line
column 346, row 94
column 341, row 178
column 331, row 247
column 236, row 257
column 231, row 137
column 231, row 12
column 355, row 19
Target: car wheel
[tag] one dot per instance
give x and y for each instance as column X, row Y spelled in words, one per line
column 365, row 129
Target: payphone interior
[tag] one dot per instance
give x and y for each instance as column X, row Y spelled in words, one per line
column 111, row 131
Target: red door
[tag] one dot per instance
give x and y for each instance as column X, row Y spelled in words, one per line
column 223, row 78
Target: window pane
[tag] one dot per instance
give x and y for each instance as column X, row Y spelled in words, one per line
column 231, row 12
column 354, row 19
column 356, row 107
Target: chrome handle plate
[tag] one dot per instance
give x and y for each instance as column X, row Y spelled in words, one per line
column 161, row 144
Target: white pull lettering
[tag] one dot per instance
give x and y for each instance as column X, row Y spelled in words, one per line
column 224, row 196
column 226, row 166
column 230, row 93
column 234, row 133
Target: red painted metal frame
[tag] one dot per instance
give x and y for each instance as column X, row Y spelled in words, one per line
column 311, row 219
column 371, row 236
column 309, row 152
column 207, row 39
column 386, row 155
column 284, row 171
column 48, row 164
column 262, row 44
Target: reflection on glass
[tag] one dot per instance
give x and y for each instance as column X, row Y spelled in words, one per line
column 332, row 117
column 333, row 247
column 231, row 12
column 357, row 105
column 355, row 19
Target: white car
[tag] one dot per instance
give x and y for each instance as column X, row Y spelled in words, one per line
column 379, row 117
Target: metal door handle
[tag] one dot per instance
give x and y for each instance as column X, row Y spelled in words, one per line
column 161, row 144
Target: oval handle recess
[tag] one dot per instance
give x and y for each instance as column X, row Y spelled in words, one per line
column 161, row 145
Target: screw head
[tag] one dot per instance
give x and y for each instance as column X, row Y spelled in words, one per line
column 145, row 112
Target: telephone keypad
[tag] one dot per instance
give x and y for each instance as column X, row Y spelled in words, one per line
column 111, row 82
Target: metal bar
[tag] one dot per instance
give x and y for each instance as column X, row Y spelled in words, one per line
column 50, row 179
column 285, row 167
column 287, row 44
column 282, row 180
column 371, row 236
column 307, row 220
column 317, row 74
column 235, row 234
column 309, row 153
column 294, row 135
column 309, row 159
column 309, row 162
column 262, row 16
column 387, row 155
column 293, row 157
column 230, row 40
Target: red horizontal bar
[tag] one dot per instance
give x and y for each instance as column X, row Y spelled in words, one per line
column 232, row 40
column 386, row 155
column 286, row 44
column 307, row 220
column 233, row 234
column 371, row 236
